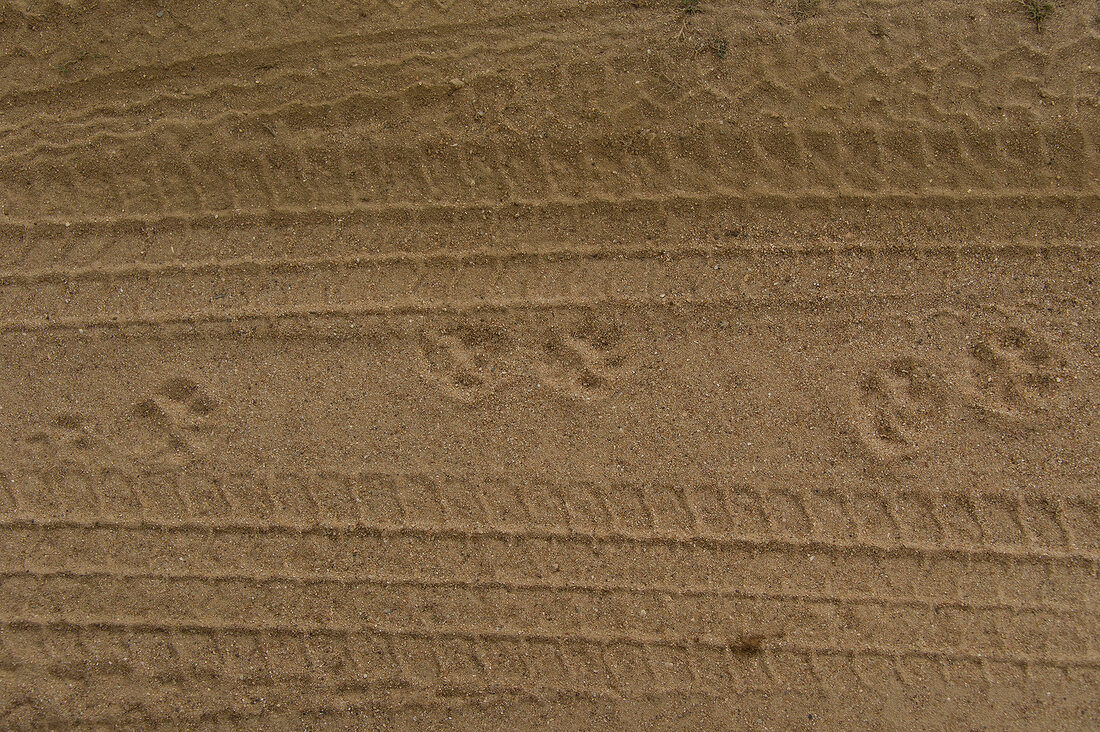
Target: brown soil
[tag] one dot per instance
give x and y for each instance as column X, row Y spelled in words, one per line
column 574, row 365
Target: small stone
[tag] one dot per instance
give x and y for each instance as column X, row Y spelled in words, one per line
column 457, row 84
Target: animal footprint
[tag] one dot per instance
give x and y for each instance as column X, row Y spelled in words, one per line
column 894, row 404
column 68, row 432
column 464, row 364
column 177, row 422
column 1014, row 373
column 73, row 440
column 583, row 363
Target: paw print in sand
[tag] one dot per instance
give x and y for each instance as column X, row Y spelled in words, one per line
column 71, row 440
column 68, row 433
column 894, row 404
column 583, row 363
column 176, row 421
column 1015, row 373
column 465, row 363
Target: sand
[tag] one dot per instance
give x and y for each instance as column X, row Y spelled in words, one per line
column 434, row 364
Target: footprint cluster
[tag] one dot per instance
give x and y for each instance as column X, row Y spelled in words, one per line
column 1007, row 377
column 471, row 362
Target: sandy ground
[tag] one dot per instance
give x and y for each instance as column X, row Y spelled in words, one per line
column 570, row 365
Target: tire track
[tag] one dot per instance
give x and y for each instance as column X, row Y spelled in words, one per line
column 1017, row 522
column 957, row 68
column 262, row 267
column 390, row 286
column 175, row 177
column 836, row 203
column 706, row 620
column 721, row 651
column 247, row 59
column 566, row 587
column 506, row 533
column 402, row 229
